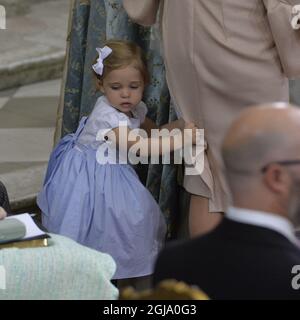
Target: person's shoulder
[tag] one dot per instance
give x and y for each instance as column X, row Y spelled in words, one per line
column 291, row 253
column 89, row 270
column 140, row 111
column 177, row 256
column 102, row 106
column 186, row 247
column 80, row 253
column 142, row 107
column 104, row 112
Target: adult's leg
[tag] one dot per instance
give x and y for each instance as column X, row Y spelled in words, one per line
column 201, row 221
column 185, row 54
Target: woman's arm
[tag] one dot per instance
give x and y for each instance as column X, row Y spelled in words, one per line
column 142, row 12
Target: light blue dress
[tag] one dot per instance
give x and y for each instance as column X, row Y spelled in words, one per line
column 102, row 206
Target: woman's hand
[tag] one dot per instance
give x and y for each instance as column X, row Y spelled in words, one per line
column 2, row 213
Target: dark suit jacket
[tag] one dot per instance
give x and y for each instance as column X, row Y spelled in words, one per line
column 235, row 261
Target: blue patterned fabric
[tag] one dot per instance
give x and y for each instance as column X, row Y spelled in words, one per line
column 93, row 22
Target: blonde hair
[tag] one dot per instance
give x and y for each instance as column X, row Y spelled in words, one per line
column 123, row 54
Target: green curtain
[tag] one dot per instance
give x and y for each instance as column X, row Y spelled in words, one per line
column 92, row 23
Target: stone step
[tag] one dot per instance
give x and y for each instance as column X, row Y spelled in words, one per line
column 27, row 124
column 34, row 42
column 45, row 67
column 23, row 184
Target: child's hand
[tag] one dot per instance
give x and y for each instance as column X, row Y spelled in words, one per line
column 192, row 130
column 2, row 213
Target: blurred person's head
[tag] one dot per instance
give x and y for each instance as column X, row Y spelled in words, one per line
column 261, row 153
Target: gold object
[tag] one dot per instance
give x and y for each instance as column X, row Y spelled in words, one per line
column 165, row 290
column 34, row 243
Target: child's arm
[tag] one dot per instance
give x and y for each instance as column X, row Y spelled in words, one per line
column 125, row 139
column 148, row 125
column 177, row 124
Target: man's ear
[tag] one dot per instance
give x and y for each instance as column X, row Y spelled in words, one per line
column 277, row 179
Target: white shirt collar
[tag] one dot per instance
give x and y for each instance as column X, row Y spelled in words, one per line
column 264, row 219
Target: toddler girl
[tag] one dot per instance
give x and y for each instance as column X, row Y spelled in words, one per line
column 102, row 204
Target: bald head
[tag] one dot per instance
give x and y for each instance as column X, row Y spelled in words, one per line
column 262, row 134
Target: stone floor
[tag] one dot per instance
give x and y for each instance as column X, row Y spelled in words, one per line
column 27, row 123
column 32, row 52
column 33, row 43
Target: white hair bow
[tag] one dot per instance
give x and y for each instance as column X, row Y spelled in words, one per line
column 103, row 54
column 296, row 19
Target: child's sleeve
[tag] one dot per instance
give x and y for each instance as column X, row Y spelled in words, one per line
column 141, row 111
column 284, row 20
column 109, row 121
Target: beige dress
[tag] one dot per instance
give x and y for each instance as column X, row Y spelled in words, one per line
column 221, row 57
